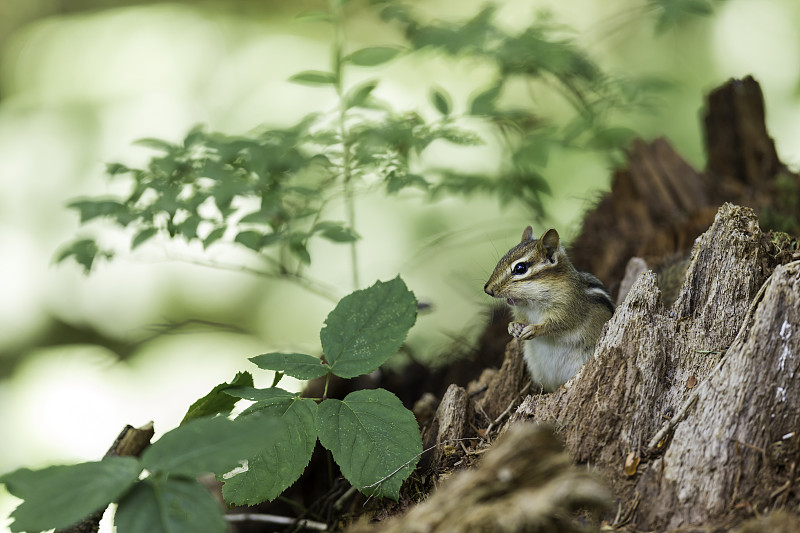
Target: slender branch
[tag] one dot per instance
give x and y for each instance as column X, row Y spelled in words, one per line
column 314, row 287
column 274, row 519
column 347, row 172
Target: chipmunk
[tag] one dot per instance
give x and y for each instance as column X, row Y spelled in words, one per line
column 561, row 311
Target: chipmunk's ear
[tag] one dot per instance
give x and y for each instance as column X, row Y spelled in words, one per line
column 549, row 243
column 527, row 235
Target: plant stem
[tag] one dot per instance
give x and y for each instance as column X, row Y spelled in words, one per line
column 347, row 172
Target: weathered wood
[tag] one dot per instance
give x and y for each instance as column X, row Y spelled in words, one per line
column 737, row 142
column 131, row 442
column 525, row 482
column 450, row 424
column 651, row 361
column 505, row 385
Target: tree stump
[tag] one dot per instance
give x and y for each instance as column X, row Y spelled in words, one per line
column 692, row 411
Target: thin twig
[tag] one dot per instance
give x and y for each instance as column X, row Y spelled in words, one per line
column 508, row 409
column 751, row 446
column 339, row 503
column 670, row 424
column 417, row 456
column 274, row 519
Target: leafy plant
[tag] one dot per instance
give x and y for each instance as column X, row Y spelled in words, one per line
column 272, row 192
column 372, row 437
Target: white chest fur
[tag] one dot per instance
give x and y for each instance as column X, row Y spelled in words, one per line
column 551, row 359
column 554, row 360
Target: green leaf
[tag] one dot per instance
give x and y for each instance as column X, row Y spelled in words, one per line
column 397, row 181
column 367, row 327
column 206, row 445
column 113, row 169
column 217, row 402
column 336, row 232
column 215, row 235
column 299, row 250
column 373, row 438
column 60, row 496
column 90, row 209
column 441, row 101
column 297, row 365
column 314, row 77
column 156, row 144
column 672, row 13
column 170, row 505
column 284, row 454
column 188, row 228
column 314, row 16
column 142, row 237
column 611, row 138
column 85, row 252
column 373, row 56
column 359, row 95
column 484, row 103
column 251, row 393
column 250, row 239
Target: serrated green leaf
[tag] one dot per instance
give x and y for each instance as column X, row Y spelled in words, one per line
column 367, row 327
column 297, row 365
column 170, row 505
column 206, row 445
column 373, row 438
column 60, row 496
column 217, row 402
column 314, row 77
column 441, row 101
column 284, row 454
column 142, row 237
column 251, row 393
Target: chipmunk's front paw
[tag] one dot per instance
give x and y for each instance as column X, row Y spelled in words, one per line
column 522, row 331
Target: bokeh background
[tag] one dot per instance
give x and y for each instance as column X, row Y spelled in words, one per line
column 80, row 80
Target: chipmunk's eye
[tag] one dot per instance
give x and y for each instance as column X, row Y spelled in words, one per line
column 520, row 268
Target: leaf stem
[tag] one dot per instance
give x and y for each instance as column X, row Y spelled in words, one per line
column 327, row 382
column 347, row 172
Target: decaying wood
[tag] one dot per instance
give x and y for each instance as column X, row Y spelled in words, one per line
column 727, row 356
column 659, row 204
column 131, row 442
column 525, row 482
column 450, row 424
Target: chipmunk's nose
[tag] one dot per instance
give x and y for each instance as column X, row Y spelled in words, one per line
column 487, row 290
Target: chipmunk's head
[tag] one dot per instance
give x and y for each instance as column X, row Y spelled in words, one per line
column 531, row 271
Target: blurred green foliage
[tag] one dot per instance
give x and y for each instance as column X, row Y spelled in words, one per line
column 268, row 192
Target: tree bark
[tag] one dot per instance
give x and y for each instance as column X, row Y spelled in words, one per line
column 704, row 394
